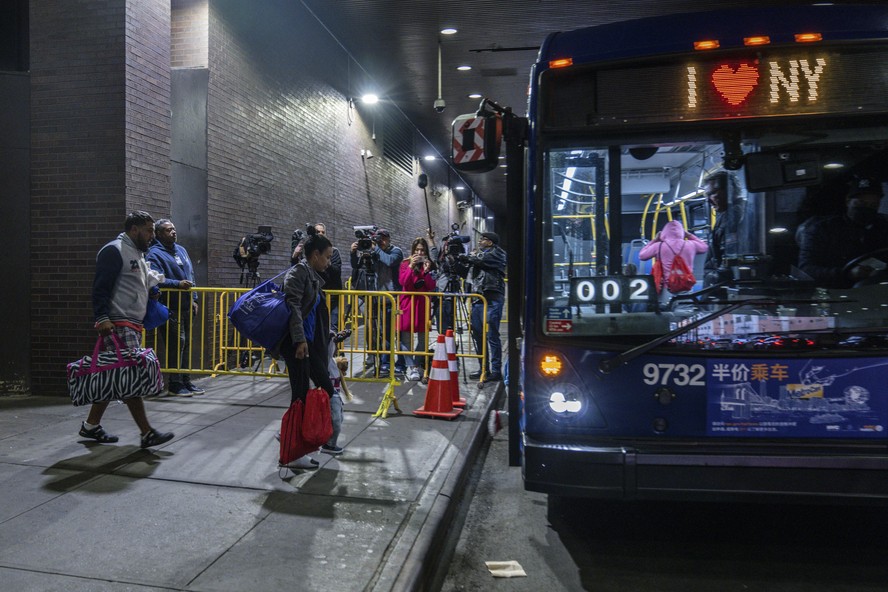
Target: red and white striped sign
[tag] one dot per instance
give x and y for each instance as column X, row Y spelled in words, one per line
column 476, row 152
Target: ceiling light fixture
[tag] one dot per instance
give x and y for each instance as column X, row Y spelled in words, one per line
column 464, row 68
column 428, row 157
column 370, row 99
column 448, row 31
column 475, row 96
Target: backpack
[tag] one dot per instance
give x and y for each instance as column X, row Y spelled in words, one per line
column 680, row 278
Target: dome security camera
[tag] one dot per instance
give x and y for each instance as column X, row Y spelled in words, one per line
column 439, row 105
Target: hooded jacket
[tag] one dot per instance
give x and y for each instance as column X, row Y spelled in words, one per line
column 669, row 244
column 173, row 263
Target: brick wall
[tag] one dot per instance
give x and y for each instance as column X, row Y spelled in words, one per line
column 148, row 106
column 283, row 147
column 77, row 172
column 97, row 138
column 188, row 39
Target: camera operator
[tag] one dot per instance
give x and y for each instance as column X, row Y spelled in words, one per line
column 384, row 261
column 451, row 269
column 488, row 279
column 296, row 246
column 332, row 275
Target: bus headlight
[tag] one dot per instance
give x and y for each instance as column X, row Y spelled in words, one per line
column 561, row 404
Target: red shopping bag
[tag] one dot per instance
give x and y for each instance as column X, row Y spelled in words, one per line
column 317, row 424
column 292, row 444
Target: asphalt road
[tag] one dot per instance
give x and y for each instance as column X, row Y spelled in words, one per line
column 584, row 545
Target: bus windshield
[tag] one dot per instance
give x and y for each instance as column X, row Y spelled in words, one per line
column 796, row 225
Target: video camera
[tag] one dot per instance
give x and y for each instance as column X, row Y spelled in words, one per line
column 297, row 237
column 252, row 246
column 366, row 236
column 453, row 253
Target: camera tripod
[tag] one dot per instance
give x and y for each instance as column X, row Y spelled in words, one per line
column 366, row 280
column 454, row 314
column 249, row 277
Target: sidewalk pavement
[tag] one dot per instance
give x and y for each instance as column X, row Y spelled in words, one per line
column 210, row 510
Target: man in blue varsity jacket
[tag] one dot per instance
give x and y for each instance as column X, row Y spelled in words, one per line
column 167, row 256
column 120, row 298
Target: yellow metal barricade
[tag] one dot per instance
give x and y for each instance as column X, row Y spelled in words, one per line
column 200, row 340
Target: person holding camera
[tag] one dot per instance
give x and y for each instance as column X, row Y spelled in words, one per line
column 332, row 275
column 171, row 259
column 415, row 276
column 385, row 261
column 450, row 271
column 488, row 279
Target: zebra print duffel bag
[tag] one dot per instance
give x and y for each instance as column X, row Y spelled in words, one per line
column 114, row 376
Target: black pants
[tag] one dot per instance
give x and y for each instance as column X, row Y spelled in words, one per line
column 315, row 365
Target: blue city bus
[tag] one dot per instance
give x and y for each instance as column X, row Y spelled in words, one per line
column 764, row 134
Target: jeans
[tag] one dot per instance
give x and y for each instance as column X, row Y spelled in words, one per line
column 494, row 360
column 336, row 416
column 421, row 346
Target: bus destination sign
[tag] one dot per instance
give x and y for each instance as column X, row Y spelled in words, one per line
column 751, row 84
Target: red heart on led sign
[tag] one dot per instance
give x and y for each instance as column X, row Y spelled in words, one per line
column 735, row 84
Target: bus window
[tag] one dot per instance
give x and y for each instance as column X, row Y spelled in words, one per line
column 766, row 234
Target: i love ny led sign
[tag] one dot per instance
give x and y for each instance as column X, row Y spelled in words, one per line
column 740, row 83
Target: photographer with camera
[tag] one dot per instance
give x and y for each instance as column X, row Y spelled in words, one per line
column 296, row 245
column 488, row 279
column 332, row 275
column 452, row 268
column 376, row 262
column 415, row 276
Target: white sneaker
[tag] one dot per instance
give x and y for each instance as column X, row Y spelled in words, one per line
column 303, row 462
column 413, row 373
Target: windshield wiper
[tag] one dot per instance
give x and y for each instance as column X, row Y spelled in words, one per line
column 610, row 364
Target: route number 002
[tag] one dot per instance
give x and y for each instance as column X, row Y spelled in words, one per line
column 611, row 290
column 677, row 374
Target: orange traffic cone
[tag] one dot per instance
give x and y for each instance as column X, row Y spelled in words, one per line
column 438, row 401
column 454, row 372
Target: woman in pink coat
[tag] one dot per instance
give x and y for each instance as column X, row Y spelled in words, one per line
column 671, row 242
column 415, row 276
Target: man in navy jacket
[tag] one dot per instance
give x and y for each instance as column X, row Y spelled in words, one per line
column 171, row 259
